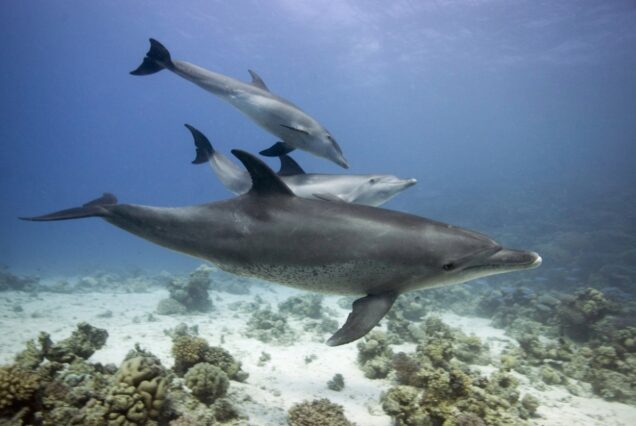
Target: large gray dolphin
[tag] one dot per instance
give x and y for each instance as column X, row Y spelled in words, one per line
column 315, row 245
column 370, row 190
column 273, row 113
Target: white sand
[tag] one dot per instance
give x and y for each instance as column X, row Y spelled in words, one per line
column 286, row 379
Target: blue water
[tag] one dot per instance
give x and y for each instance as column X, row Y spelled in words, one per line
column 517, row 118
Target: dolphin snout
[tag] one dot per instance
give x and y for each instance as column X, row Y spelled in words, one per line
column 410, row 182
column 537, row 261
column 342, row 162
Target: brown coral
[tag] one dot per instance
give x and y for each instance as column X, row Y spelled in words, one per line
column 17, row 388
column 318, row 412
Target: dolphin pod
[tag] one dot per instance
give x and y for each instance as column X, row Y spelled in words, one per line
column 273, row 113
column 316, row 245
column 293, row 228
column 370, row 190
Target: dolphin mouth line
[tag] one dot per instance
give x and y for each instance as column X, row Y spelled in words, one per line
column 530, row 265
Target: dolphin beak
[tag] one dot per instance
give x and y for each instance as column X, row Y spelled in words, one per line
column 515, row 259
column 342, row 163
column 410, row 182
column 537, row 261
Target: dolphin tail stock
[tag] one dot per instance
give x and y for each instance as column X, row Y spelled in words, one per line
column 203, row 146
column 155, row 60
column 276, row 150
column 366, row 314
column 94, row 208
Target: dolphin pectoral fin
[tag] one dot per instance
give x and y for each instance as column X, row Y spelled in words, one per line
column 156, row 59
column 96, row 207
column 278, row 149
column 258, row 81
column 203, row 146
column 295, row 129
column 366, row 313
column 329, row 197
column 264, row 180
column 289, row 167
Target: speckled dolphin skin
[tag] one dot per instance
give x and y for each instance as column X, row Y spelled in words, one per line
column 324, row 246
column 278, row 116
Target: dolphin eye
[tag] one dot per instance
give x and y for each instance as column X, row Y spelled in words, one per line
column 373, row 180
column 448, row 266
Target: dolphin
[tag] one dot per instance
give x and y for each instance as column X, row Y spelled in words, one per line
column 371, row 190
column 273, row 113
column 315, row 245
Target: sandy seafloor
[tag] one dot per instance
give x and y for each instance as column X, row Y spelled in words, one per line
column 273, row 388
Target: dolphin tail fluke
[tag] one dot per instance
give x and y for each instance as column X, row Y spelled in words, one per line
column 156, row 59
column 278, row 149
column 366, row 314
column 95, row 208
column 203, row 146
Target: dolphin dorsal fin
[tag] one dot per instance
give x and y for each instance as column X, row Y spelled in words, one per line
column 258, row 81
column 289, row 166
column 264, row 180
column 203, row 146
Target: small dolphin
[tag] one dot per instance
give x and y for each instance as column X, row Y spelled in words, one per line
column 315, row 245
column 370, row 190
column 273, row 113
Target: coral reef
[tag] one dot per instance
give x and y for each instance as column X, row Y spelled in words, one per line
column 309, row 309
column 579, row 312
column 9, row 281
column 139, row 391
column 336, row 383
column 189, row 351
column 82, row 344
column 269, row 327
column 374, row 355
column 228, row 283
column 170, row 306
column 191, row 293
column 435, row 386
column 207, row 382
column 318, row 412
column 17, row 388
column 70, row 390
column 306, row 306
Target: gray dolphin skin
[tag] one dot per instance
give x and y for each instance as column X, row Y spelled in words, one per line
column 337, row 248
column 370, row 190
column 273, row 113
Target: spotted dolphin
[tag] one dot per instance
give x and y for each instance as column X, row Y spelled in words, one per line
column 273, row 113
column 337, row 248
column 371, row 190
